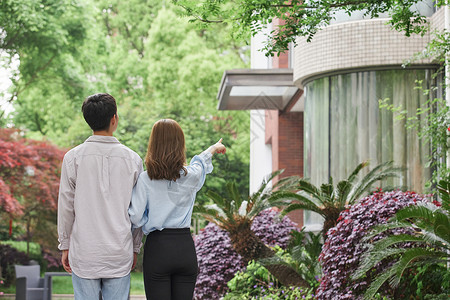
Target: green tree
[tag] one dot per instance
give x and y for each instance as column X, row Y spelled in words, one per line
column 45, row 36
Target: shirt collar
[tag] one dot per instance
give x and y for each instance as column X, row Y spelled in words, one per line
column 102, row 139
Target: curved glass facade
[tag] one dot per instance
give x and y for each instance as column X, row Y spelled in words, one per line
column 345, row 126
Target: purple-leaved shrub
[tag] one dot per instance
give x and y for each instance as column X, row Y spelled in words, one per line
column 343, row 249
column 218, row 262
column 9, row 257
column 272, row 230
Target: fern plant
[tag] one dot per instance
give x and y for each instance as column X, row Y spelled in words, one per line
column 431, row 241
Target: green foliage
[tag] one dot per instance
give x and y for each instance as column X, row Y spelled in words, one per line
column 299, row 18
column 431, row 238
column 235, row 214
column 431, row 121
column 257, row 283
column 444, row 193
column 35, row 248
column 244, row 282
column 426, row 280
column 48, row 38
column 436, row 49
column 9, row 257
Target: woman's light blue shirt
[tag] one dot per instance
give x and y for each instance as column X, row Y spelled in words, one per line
column 159, row 204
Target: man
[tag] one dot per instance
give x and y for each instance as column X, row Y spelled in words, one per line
column 94, row 229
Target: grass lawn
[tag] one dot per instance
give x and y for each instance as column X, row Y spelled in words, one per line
column 137, row 283
column 63, row 285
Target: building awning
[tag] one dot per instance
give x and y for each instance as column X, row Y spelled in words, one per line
column 246, row 89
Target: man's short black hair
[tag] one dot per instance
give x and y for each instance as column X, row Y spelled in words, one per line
column 98, row 110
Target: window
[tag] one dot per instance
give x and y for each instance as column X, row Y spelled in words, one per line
column 345, row 126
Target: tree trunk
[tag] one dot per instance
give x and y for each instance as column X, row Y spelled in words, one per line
column 28, row 236
column 332, row 215
column 250, row 247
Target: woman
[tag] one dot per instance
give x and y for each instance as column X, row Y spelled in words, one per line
column 162, row 204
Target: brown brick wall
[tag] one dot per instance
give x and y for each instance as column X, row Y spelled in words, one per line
column 290, row 150
column 285, row 132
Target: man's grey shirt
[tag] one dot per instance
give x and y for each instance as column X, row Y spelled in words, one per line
column 97, row 179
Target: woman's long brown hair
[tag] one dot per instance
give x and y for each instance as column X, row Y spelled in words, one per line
column 166, row 153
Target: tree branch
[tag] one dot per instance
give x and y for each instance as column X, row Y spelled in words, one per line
column 208, row 21
column 38, row 124
column 140, row 51
column 199, row 18
column 301, row 6
column 11, row 40
column 33, row 78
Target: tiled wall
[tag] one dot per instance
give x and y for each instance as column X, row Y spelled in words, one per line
column 358, row 45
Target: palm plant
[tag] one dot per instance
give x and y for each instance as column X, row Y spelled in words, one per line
column 430, row 225
column 236, row 214
column 329, row 201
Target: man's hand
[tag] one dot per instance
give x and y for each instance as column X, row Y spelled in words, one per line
column 134, row 260
column 65, row 261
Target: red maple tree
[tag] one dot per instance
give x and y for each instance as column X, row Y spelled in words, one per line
column 29, row 176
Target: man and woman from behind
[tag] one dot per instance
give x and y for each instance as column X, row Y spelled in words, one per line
column 107, row 202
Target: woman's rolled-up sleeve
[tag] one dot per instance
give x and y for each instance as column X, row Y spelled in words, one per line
column 201, row 165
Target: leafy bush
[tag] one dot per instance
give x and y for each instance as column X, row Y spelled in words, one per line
column 35, row 249
column 219, row 262
column 51, row 259
column 429, row 281
column 250, row 282
column 35, row 252
column 429, row 247
column 257, row 283
column 272, row 229
column 9, row 257
column 342, row 251
column 45, row 258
